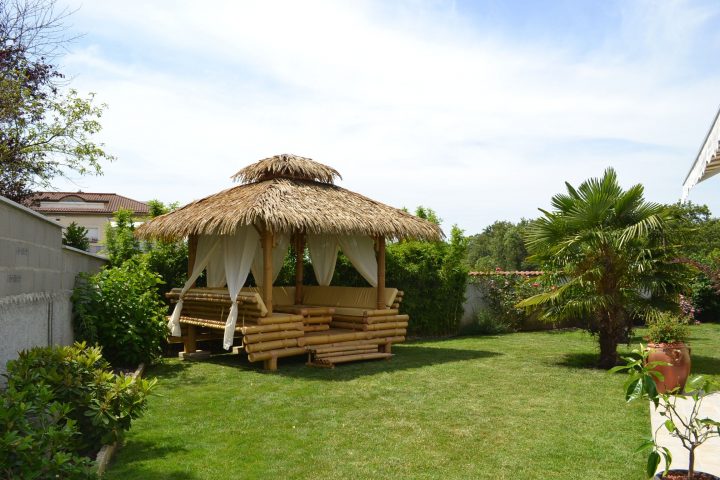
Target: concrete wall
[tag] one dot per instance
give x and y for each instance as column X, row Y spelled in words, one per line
column 37, row 275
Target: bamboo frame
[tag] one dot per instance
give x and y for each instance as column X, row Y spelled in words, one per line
column 267, row 243
column 299, row 265
column 381, row 272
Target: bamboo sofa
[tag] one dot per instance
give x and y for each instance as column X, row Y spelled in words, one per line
column 333, row 324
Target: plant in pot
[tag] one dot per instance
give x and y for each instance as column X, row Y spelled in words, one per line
column 686, row 424
column 666, row 336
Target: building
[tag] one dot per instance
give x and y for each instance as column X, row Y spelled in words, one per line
column 90, row 210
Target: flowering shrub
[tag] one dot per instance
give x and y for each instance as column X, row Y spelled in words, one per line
column 687, row 309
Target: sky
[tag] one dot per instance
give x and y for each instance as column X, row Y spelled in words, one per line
column 480, row 110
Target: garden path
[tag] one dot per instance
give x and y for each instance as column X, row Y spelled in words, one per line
column 707, row 457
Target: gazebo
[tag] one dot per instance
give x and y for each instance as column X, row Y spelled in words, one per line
column 707, row 161
column 249, row 227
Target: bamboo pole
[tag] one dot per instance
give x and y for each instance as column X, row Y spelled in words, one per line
column 266, row 337
column 271, row 345
column 299, row 263
column 192, row 252
column 284, row 352
column 252, row 329
column 353, row 358
column 267, row 243
column 381, row 273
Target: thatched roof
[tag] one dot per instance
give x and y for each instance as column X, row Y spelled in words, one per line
column 286, row 193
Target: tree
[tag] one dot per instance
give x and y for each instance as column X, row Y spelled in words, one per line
column 607, row 260
column 167, row 259
column 45, row 132
column 120, row 242
column 500, row 245
column 76, row 236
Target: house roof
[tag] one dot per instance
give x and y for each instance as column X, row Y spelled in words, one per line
column 707, row 162
column 287, row 193
column 111, row 202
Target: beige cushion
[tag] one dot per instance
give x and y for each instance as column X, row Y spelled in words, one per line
column 351, row 297
column 280, row 295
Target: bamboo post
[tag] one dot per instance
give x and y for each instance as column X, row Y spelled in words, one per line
column 381, row 272
column 299, row 263
column 192, row 253
column 190, row 340
column 267, row 243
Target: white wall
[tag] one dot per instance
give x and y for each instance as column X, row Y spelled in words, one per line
column 37, row 275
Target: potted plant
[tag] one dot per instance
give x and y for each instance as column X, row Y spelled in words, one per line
column 692, row 429
column 667, row 349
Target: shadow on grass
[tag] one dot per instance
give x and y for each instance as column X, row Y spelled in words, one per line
column 167, row 370
column 580, row 360
column 136, row 453
column 407, row 357
column 703, row 365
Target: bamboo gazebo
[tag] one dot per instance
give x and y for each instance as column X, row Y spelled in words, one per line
column 249, row 227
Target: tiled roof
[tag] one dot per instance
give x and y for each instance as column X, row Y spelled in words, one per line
column 112, row 201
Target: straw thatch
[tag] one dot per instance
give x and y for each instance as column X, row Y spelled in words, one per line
column 287, row 166
column 289, row 194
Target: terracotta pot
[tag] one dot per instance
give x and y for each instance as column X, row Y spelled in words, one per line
column 676, row 374
column 696, row 476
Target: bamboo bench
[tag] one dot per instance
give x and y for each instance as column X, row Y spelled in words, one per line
column 265, row 337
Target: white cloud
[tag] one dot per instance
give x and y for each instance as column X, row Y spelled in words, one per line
column 411, row 104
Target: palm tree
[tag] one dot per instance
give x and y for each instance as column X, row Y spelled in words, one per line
column 607, row 260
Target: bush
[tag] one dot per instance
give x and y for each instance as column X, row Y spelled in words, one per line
column 38, row 436
column 667, row 328
column 62, row 403
column 119, row 309
column 501, row 294
column 434, row 277
column 488, row 323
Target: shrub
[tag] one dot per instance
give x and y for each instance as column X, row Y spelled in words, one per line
column 70, row 388
column 119, row 309
column 38, row 436
column 501, row 294
column 667, row 328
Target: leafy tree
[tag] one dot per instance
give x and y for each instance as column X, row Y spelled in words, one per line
column 167, row 259
column 607, row 258
column 120, row 242
column 45, row 132
column 500, row 245
column 76, row 236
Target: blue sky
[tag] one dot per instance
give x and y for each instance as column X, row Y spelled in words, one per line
column 480, row 110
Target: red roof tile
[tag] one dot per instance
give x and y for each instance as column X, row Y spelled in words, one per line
column 112, row 201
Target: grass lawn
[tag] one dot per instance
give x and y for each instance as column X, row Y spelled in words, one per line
column 526, row 405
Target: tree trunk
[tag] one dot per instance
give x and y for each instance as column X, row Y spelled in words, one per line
column 608, row 342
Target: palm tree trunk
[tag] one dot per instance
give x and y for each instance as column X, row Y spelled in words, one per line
column 608, row 339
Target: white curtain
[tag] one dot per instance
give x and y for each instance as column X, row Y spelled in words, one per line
column 207, row 246
column 215, row 269
column 239, row 251
column 360, row 250
column 323, row 255
column 281, row 242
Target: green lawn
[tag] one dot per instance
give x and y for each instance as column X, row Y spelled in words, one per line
column 525, row 405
